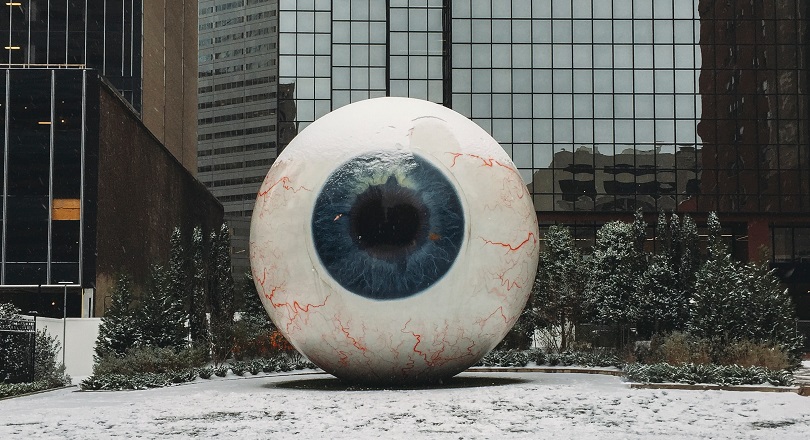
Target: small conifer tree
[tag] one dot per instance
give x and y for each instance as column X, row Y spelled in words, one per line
column 221, row 294
column 118, row 330
column 558, row 297
column 198, row 323
column 735, row 301
column 162, row 317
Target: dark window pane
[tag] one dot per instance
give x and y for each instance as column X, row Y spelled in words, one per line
column 27, row 230
column 65, row 241
column 29, row 132
column 26, row 273
column 67, row 134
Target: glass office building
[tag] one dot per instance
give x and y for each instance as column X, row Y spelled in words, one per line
column 236, row 123
column 103, row 35
column 75, row 78
column 604, row 106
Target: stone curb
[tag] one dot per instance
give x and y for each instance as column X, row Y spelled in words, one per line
column 802, row 391
column 545, row 370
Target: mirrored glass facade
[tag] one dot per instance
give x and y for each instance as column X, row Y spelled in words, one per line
column 604, row 106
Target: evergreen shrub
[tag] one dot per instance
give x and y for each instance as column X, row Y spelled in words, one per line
column 706, row 373
column 239, row 367
column 16, row 389
column 147, row 359
column 221, row 370
column 205, row 372
column 139, row 381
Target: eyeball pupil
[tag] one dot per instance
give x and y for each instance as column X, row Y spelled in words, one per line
column 388, row 221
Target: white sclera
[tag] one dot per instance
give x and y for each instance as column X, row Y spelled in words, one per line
column 431, row 335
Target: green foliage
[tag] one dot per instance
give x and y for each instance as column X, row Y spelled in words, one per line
column 46, row 367
column 253, row 327
column 15, row 356
column 14, row 349
column 178, row 276
column 118, row 330
column 688, row 256
column 594, row 358
column 145, row 359
column 735, row 301
column 505, row 358
column 558, row 300
column 221, row 294
column 615, row 267
column 662, row 305
column 16, row 389
column 139, row 381
column 162, row 319
column 708, row 374
column 167, row 368
column 198, row 323
column 206, row 372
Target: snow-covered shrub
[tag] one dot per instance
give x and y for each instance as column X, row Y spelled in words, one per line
column 14, row 348
column 46, row 368
column 505, row 358
column 616, row 265
column 538, row 356
column 15, row 389
column 162, row 316
column 239, row 367
column 221, row 294
column 205, row 372
column 150, row 360
column 15, row 354
column 136, row 381
column 221, row 370
column 558, row 303
column 514, row 358
column 735, row 301
column 118, row 330
column 705, row 373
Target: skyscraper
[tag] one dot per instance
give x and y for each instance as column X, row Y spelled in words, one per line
column 98, row 102
column 605, row 107
column 237, row 107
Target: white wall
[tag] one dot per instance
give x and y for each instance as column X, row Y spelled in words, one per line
column 78, row 344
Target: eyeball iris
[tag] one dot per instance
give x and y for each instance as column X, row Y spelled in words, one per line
column 387, row 225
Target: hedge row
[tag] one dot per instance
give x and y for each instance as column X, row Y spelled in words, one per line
column 15, row 389
column 707, row 374
column 141, row 381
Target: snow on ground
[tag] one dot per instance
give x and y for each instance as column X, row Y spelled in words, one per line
column 473, row 405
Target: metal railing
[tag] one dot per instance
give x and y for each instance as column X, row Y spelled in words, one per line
column 17, row 349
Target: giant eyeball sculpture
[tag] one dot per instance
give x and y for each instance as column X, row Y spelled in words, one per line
column 393, row 242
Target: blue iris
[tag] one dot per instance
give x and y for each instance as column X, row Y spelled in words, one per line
column 387, row 225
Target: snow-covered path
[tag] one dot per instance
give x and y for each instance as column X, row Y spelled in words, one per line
column 476, row 405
